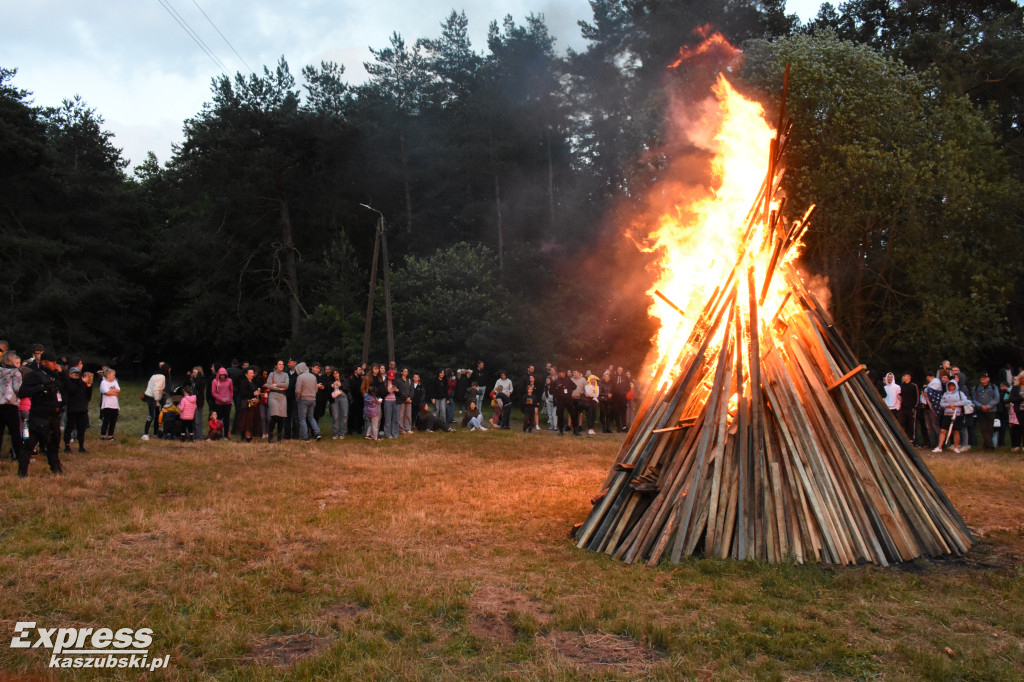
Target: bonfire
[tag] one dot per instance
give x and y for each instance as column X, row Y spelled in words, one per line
column 760, row 436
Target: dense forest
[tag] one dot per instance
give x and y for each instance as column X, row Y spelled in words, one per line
column 505, row 177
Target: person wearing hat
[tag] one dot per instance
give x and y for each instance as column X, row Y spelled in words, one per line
column 588, row 403
column 47, row 386
column 986, row 402
column 78, row 398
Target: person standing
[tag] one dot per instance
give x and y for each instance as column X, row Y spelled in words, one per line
column 249, row 406
column 197, row 380
column 189, row 408
column 419, row 394
column 931, row 401
column 222, row 397
column 10, row 384
column 1014, row 406
column 339, row 405
column 906, row 415
column 354, row 391
column 46, row 386
column 892, row 394
column 277, row 401
column 404, row 397
column 291, row 426
column 529, row 407
column 437, row 393
column 77, row 405
column 503, row 389
column 390, row 405
column 986, row 402
column 153, row 396
column 110, row 406
column 953, row 401
column 620, row 387
column 561, row 392
column 305, row 398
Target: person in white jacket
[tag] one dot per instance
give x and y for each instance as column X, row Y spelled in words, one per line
column 953, row 401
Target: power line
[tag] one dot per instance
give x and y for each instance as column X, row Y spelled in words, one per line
column 192, row 34
column 222, row 36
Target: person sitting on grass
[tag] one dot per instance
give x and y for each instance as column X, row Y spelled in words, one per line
column 429, row 422
column 216, row 427
column 472, row 418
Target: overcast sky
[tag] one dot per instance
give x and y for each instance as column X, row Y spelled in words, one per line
column 132, row 62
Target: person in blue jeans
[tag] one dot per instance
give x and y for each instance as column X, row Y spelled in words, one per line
column 305, row 398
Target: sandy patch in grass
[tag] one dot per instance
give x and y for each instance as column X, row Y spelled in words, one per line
column 284, row 651
column 599, row 651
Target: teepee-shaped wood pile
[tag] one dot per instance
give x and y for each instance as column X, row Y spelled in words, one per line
column 769, row 443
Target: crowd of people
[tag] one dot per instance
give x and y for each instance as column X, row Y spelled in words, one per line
column 379, row 401
column 47, row 398
column 950, row 411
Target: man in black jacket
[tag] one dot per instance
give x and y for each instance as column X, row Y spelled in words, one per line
column 47, row 386
column 561, row 391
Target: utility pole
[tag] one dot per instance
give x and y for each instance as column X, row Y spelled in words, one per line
column 380, row 243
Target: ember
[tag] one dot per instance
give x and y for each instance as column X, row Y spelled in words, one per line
column 759, row 437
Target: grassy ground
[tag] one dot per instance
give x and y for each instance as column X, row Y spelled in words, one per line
column 446, row 556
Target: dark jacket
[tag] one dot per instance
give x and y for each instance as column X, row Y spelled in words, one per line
column 78, row 395
column 561, row 390
column 419, row 397
column 437, row 389
column 198, row 383
column 48, row 391
column 910, row 396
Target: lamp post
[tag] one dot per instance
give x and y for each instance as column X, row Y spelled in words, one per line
column 379, row 243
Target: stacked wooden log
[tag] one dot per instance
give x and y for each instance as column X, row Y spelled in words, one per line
column 765, row 439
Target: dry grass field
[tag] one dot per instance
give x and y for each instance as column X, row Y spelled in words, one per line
column 446, row 556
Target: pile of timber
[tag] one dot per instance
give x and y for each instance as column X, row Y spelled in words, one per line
column 770, row 443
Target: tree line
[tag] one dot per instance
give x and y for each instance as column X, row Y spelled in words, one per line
column 506, row 177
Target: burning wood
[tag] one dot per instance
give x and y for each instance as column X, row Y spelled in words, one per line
column 760, row 437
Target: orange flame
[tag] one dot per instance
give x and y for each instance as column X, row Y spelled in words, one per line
column 701, row 240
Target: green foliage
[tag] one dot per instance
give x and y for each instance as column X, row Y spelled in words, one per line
column 452, row 308
column 913, row 198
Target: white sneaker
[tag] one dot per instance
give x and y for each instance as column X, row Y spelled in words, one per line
column 938, row 449
column 965, row 448
column 483, row 428
column 590, row 432
column 956, row 449
column 145, row 436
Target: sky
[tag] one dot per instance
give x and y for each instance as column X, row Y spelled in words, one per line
column 133, row 63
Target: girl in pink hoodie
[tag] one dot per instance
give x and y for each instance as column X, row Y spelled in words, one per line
column 188, row 414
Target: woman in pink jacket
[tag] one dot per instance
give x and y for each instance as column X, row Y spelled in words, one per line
column 223, row 392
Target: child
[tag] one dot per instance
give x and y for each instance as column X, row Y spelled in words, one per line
column 529, row 410
column 371, row 413
column 110, row 408
column 216, row 427
column 497, row 404
column 170, row 419
column 188, row 414
column 473, row 419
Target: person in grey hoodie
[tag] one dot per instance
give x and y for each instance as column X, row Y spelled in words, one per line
column 953, row 401
column 305, row 397
column 986, row 402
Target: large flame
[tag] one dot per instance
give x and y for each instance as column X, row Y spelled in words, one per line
column 701, row 240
